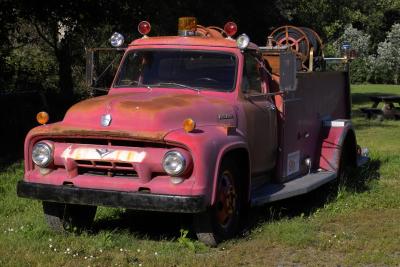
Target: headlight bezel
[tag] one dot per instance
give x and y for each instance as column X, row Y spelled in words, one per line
column 117, row 40
column 181, row 157
column 243, row 41
column 46, row 147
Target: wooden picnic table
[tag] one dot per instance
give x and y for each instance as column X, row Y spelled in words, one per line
column 388, row 111
column 387, row 99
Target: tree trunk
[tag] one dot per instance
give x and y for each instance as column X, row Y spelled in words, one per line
column 63, row 55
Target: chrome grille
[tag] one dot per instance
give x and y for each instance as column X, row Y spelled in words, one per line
column 106, row 168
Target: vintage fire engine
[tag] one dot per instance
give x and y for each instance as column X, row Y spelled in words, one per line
column 197, row 123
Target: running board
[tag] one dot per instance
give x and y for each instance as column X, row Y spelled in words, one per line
column 302, row 185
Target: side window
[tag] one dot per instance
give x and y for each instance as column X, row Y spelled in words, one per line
column 251, row 80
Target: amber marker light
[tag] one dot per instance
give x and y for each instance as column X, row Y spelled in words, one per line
column 189, row 125
column 42, row 117
column 187, row 26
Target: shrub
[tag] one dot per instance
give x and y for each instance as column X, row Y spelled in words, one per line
column 386, row 64
column 360, row 41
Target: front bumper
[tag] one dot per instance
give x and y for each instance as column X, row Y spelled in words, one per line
column 110, row 198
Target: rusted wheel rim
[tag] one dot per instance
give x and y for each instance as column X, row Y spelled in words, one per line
column 226, row 202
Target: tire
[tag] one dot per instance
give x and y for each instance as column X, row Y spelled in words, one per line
column 221, row 221
column 347, row 163
column 63, row 218
column 343, row 168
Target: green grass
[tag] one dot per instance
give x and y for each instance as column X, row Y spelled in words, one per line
column 360, row 226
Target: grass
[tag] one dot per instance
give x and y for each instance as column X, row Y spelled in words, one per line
column 358, row 227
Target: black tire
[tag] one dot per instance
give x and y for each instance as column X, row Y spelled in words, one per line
column 63, row 218
column 221, row 221
column 343, row 168
column 346, row 164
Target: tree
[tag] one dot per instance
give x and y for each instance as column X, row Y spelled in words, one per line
column 360, row 41
column 8, row 16
column 387, row 61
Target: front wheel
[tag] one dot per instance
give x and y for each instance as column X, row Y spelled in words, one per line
column 221, row 221
column 64, row 218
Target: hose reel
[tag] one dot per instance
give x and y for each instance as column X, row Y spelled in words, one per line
column 304, row 42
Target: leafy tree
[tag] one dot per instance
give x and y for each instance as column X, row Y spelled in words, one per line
column 8, row 15
column 330, row 17
column 387, row 61
column 360, row 41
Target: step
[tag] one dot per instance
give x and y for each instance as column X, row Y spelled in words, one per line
column 302, row 185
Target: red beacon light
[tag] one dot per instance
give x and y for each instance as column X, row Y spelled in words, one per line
column 144, row 28
column 230, row 28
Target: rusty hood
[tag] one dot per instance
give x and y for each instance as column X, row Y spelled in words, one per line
column 145, row 115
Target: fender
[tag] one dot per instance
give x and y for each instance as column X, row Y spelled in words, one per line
column 208, row 145
column 334, row 133
column 225, row 150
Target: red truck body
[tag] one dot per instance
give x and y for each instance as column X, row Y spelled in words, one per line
column 277, row 143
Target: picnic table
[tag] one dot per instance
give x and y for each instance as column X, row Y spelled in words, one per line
column 388, row 111
column 387, row 99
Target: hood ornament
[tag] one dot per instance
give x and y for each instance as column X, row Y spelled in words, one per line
column 104, row 152
column 105, row 120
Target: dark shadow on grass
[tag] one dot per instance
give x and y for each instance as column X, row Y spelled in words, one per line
column 146, row 225
column 374, row 122
column 306, row 205
column 9, row 161
column 363, row 177
column 364, row 98
column 166, row 226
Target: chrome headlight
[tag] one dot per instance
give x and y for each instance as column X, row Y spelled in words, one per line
column 174, row 163
column 42, row 154
column 242, row 41
column 117, row 39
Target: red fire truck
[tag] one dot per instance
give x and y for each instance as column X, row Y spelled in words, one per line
column 198, row 123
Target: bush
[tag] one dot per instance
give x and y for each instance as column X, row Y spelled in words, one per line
column 32, row 69
column 386, row 64
column 360, row 41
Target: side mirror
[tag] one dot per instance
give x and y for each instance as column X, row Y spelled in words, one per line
column 89, row 77
column 288, row 69
column 101, row 66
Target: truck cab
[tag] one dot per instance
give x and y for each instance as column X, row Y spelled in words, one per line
column 197, row 123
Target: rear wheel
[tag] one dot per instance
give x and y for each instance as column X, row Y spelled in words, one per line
column 345, row 171
column 347, row 163
column 221, row 221
column 68, row 217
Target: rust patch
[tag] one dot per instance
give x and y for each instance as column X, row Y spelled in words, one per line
column 166, row 102
column 160, row 103
column 71, row 131
column 94, row 103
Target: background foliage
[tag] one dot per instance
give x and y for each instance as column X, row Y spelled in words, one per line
column 43, row 44
column 42, row 48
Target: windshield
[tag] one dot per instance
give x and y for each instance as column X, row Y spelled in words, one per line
column 195, row 70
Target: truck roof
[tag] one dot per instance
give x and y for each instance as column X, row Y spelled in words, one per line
column 193, row 40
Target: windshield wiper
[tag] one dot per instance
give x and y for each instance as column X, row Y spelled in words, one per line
column 174, row 84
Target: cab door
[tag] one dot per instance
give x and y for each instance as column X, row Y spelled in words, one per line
column 261, row 116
